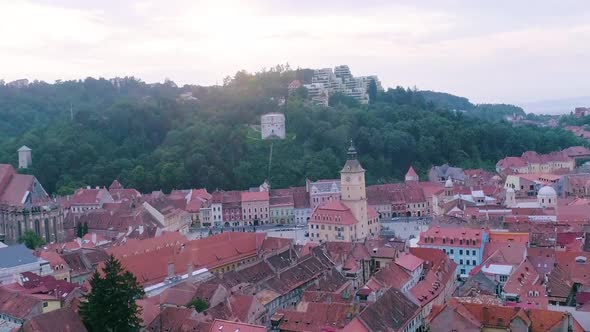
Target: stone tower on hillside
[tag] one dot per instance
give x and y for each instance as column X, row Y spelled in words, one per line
column 24, row 157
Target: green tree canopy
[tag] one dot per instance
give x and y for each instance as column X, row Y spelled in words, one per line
column 164, row 137
column 111, row 304
column 198, row 304
column 31, row 240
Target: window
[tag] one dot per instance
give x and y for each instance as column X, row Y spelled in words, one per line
column 460, row 262
column 473, row 252
column 462, row 271
column 45, row 304
column 503, row 278
column 474, row 263
column 460, row 251
column 452, row 251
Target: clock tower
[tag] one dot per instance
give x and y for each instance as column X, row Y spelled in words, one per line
column 353, row 194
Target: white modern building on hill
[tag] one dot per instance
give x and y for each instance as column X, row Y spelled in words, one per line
column 326, row 82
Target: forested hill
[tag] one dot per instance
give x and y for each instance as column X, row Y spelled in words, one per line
column 488, row 112
column 161, row 136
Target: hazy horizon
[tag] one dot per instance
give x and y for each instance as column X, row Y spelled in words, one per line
column 519, row 53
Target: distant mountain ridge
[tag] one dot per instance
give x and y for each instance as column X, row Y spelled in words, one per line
column 556, row 106
column 489, row 112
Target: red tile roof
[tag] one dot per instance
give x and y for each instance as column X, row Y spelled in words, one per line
column 439, row 270
column 509, row 237
column 17, row 189
column 227, row 326
column 393, row 276
column 522, row 278
column 19, row 305
column 391, row 312
column 315, row 317
column 150, row 266
column 62, row 320
column 86, row 196
column 409, row 262
column 460, row 237
column 248, row 196
column 411, row 172
column 334, row 213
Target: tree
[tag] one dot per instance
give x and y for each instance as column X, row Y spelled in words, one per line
column 85, row 229
column 372, row 91
column 111, row 304
column 79, row 230
column 31, row 240
column 199, row 304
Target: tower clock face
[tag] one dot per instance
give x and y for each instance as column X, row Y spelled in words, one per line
column 348, row 179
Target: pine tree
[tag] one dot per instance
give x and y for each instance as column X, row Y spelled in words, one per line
column 111, row 306
column 85, row 229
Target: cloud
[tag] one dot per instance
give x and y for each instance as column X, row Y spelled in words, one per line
column 501, row 52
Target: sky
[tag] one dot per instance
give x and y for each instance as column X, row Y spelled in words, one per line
column 488, row 51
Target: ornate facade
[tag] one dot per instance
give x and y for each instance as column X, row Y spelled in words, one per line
column 25, row 205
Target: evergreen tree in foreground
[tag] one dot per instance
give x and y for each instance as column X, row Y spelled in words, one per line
column 111, row 306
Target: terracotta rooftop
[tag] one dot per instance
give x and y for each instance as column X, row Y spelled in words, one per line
column 333, row 213
column 62, row 320
column 409, row 262
column 227, row 326
column 248, row 196
column 19, row 305
column 391, row 312
column 471, row 315
column 454, row 237
column 315, row 317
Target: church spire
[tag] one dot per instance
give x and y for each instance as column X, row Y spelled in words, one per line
column 351, row 151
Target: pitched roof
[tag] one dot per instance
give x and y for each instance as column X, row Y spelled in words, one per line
column 62, row 320
column 409, row 262
column 227, row 326
column 411, row 172
column 315, row 317
column 247, row 196
column 476, row 285
column 391, row 312
column 334, row 213
column 393, row 276
column 18, row 305
column 17, row 189
column 461, row 237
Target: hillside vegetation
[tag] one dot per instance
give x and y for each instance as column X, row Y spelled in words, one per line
column 150, row 139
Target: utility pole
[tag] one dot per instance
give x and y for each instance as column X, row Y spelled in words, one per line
column 71, row 112
column 270, row 162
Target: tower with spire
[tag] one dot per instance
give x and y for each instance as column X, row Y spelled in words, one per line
column 350, row 218
column 411, row 175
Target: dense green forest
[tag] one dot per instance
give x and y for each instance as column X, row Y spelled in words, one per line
column 161, row 136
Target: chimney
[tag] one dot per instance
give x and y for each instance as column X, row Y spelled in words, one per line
column 140, row 228
column 87, row 187
column 170, row 269
column 94, row 238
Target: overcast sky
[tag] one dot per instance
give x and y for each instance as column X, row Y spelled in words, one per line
column 488, row 51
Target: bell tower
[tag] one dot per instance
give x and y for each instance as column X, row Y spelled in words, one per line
column 353, row 194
